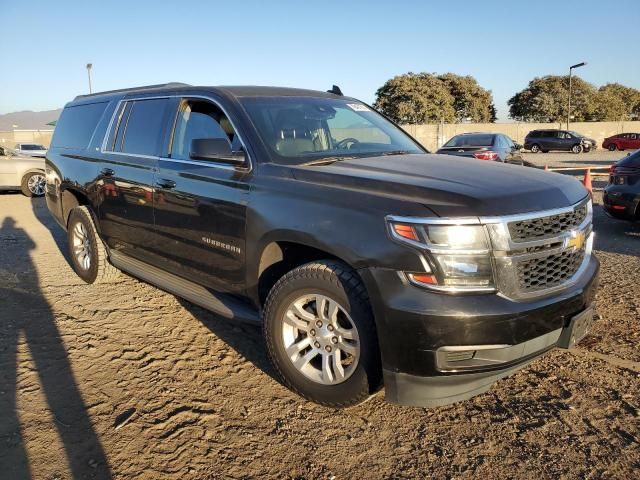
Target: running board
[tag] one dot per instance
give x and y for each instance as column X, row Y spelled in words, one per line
column 224, row 305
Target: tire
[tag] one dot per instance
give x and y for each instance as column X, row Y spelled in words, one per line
column 314, row 337
column 88, row 254
column 535, row 148
column 33, row 184
column 612, row 147
column 576, row 149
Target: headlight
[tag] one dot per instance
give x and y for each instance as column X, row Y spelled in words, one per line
column 459, row 256
column 456, row 236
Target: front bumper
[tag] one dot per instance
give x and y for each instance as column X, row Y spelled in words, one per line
column 416, row 326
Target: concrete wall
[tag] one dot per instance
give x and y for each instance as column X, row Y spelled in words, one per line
column 10, row 138
column 433, row 136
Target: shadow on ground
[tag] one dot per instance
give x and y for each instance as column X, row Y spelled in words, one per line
column 27, row 326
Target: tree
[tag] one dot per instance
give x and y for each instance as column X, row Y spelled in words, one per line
column 470, row 100
column 545, row 100
column 415, row 98
column 617, row 102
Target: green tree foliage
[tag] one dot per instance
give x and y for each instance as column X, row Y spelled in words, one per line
column 470, row 101
column 428, row 98
column 545, row 100
column 617, row 102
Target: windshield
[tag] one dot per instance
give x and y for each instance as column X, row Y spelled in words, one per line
column 470, row 141
column 32, row 146
column 576, row 134
column 300, row 130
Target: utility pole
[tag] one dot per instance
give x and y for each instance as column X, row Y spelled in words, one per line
column 89, row 65
column 577, row 65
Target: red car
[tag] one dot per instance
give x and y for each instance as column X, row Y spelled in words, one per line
column 622, row 141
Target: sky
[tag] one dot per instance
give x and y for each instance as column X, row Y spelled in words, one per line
column 357, row 45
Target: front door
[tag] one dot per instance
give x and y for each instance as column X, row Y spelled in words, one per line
column 126, row 174
column 200, row 206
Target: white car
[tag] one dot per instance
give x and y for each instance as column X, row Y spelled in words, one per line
column 20, row 172
column 31, row 149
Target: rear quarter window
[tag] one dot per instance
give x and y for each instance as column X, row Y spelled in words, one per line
column 77, row 124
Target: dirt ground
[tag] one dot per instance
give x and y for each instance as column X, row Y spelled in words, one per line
column 594, row 158
column 125, row 381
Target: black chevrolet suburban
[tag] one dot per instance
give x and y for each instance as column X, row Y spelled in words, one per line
column 366, row 260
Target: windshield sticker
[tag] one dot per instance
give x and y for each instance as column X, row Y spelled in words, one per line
column 358, row 107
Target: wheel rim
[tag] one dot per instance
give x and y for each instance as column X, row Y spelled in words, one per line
column 81, row 246
column 576, row 149
column 320, row 339
column 36, row 184
column 612, row 148
column 535, row 149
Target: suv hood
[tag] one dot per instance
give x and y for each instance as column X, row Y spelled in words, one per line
column 451, row 186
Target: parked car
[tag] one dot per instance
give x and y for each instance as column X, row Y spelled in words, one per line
column 31, row 149
column 621, row 198
column 562, row 140
column 364, row 258
column 484, row 146
column 19, row 172
column 622, row 141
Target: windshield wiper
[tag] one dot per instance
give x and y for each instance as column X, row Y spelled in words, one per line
column 326, row 161
column 397, row 152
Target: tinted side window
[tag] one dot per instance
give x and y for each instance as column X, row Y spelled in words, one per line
column 144, row 126
column 77, row 124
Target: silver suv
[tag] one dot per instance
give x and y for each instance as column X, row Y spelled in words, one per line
column 31, row 149
column 20, row 172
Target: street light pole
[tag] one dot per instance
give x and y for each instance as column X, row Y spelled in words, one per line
column 89, row 65
column 577, row 65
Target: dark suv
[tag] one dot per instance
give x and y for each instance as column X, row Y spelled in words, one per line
column 621, row 198
column 365, row 259
column 563, row 140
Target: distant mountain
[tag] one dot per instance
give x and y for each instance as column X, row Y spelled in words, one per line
column 28, row 120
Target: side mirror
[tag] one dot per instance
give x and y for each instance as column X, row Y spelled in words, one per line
column 216, row 150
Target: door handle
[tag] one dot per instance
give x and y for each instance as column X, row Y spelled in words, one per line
column 107, row 172
column 165, row 183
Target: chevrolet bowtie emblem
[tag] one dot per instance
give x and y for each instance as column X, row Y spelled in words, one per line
column 576, row 241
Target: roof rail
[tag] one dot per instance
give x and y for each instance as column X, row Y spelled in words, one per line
column 135, row 89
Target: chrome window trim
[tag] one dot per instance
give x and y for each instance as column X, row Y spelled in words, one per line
column 222, row 166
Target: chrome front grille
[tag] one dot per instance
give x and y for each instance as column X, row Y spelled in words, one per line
column 551, row 271
column 540, row 253
column 547, row 227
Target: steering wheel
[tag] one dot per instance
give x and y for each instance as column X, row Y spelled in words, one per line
column 343, row 144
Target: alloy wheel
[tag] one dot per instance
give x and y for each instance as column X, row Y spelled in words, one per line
column 320, row 339
column 81, row 246
column 36, row 184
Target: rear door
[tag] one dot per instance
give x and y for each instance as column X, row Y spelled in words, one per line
column 200, row 206
column 126, row 174
column 632, row 141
